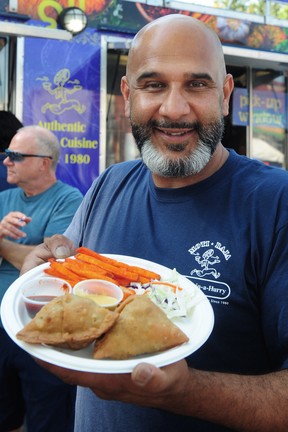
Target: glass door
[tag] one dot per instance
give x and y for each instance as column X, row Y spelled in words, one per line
column 269, row 117
column 120, row 142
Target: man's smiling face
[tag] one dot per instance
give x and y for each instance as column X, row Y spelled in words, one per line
column 175, row 96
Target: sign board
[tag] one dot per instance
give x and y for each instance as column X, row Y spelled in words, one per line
column 62, row 94
column 268, row 108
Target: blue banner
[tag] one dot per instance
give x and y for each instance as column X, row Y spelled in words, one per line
column 269, row 108
column 62, row 94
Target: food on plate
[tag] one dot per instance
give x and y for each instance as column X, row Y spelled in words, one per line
column 141, row 324
column 35, row 293
column 142, row 328
column 88, row 264
column 172, row 299
column 68, row 321
column 168, row 294
column 104, row 293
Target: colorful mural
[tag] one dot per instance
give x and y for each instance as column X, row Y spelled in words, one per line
column 129, row 17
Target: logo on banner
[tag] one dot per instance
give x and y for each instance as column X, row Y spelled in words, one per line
column 61, row 89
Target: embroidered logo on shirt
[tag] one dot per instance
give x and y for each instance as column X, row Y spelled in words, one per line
column 208, row 255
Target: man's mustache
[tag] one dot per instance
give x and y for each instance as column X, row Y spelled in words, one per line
column 173, row 125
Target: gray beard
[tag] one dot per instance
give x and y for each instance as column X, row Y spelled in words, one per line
column 209, row 136
column 181, row 167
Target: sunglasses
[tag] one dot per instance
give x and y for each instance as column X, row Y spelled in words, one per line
column 19, row 157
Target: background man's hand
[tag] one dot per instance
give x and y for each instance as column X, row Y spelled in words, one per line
column 11, row 225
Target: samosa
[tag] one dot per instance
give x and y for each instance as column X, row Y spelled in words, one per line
column 68, row 321
column 142, row 328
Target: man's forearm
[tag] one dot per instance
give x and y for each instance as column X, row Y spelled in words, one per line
column 243, row 403
column 14, row 253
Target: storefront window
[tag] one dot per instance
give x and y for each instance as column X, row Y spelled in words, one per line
column 235, row 136
column 269, row 117
column 120, row 142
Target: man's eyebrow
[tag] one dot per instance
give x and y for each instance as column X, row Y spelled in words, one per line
column 146, row 75
column 200, row 75
column 153, row 74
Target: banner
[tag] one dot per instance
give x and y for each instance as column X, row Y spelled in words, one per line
column 269, row 108
column 62, row 94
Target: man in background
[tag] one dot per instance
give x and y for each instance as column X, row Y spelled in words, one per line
column 9, row 124
column 40, row 206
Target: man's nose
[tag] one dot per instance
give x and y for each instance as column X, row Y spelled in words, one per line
column 7, row 161
column 175, row 105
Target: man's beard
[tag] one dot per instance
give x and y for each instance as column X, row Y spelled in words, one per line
column 209, row 136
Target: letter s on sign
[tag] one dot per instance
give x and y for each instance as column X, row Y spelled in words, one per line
column 41, row 12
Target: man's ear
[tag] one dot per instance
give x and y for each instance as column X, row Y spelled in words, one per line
column 126, row 95
column 227, row 91
column 46, row 162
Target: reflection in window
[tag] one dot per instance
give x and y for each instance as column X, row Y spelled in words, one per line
column 269, row 117
column 120, row 142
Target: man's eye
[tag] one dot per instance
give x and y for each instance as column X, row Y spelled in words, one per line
column 197, row 84
column 154, row 85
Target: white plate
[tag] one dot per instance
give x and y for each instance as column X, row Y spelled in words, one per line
column 198, row 327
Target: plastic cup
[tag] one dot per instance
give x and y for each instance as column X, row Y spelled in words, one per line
column 104, row 293
column 38, row 292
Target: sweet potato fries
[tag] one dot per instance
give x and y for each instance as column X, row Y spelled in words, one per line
column 88, row 264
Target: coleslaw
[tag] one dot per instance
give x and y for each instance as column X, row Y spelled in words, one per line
column 175, row 301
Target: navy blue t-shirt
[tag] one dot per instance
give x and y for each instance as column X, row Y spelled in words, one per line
column 228, row 234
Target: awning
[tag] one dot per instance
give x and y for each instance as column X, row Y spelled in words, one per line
column 16, row 29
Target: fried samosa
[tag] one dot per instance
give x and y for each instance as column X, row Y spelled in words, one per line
column 68, row 321
column 142, row 328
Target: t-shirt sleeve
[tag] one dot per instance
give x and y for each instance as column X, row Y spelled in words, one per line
column 274, row 302
column 63, row 212
column 75, row 229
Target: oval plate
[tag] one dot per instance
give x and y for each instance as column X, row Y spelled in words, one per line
column 197, row 327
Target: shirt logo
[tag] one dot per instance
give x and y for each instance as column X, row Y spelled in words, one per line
column 207, row 258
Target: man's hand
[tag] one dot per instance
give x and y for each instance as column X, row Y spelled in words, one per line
column 11, row 225
column 147, row 385
column 57, row 246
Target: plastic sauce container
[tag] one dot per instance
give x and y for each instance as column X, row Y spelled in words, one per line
column 102, row 292
column 38, row 292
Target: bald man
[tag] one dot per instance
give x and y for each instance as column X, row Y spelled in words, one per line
column 219, row 218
